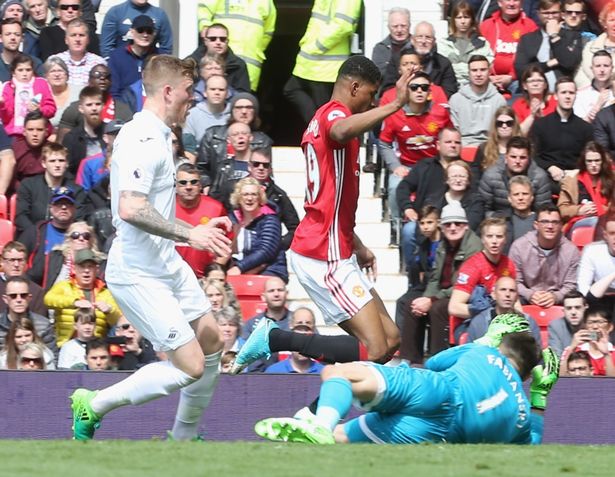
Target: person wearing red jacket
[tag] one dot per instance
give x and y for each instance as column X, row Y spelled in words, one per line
column 503, row 32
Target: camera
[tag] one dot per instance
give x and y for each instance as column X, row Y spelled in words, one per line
column 594, row 335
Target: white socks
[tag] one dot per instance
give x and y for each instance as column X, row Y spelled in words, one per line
column 152, row 381
column 195, row 398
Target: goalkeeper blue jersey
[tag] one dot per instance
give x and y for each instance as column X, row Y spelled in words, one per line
column 490, row 400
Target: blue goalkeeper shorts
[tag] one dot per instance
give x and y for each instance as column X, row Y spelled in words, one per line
column 411, row 406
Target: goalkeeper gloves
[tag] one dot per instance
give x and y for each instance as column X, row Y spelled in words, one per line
column 543, row 379
column 502, row 325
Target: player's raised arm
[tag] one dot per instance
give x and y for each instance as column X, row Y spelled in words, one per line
column 365, row 119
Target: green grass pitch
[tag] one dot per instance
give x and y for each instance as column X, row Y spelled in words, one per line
column 212, row 459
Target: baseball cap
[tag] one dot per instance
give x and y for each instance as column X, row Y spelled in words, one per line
column 85, row 255
column 60, row 193
column 142, row 21
column 113, row 127
column 453, row 212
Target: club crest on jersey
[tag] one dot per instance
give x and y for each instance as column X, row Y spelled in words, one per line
column 137, row 173
column 358, row 291
column 335, row 114
column 463, row 278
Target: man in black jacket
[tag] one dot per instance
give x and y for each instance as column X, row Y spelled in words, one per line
column 215, row 40
column 556, row 50
column 34, row 192
column 260, row 167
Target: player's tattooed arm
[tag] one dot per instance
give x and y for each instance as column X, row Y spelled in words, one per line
column 135, row 209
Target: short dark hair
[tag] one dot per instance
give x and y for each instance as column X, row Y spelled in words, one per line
column 188, row 168
column 562, row 80
column 428, row 209
column 34, row 116
column 547, row 208
column 10, row 21
column 422, row 74
column 579, row 355
column 600, row 53
column 408, row 51
column 522, row 348
column 96, row 343
column 17, row 279
column 475, row 58
column 519, row 142
column 361, row 68
column 216, row 25
column 598, row 311
column 89, row 92
column 19, row 59
column 573, row 294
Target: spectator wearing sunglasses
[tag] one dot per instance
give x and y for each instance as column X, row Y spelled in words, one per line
column 473, row 107
column 260, row 168
column 126, row 61
column 135, row 352
column 19, row 325
column 52, row 39
column 116, row 28
column 194, row 208
column 82, row 290
column 35, row 192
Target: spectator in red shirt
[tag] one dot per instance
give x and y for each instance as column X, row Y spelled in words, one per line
column 503, row 32
column 194, row 208
column 482, row 269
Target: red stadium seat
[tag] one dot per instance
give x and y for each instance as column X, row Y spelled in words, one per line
column 542, row 317
column 13, row 207
column 581, row 236
column 249, row 307
column 7, row 231
column 248, row 286
column 4, row 207
column 468, row 153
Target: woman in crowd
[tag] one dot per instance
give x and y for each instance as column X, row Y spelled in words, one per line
column 20, row 334
column 257, row 245
column 58, row 264
column 211, row 64
column 32, row 358
column 216, row 294
column 503, row 126
column 229, row 327
column 459, row 182
column 56, row 74
column 605, row 41
column 536, row 101
column 463, row 41
column 216, row 272
column 584, row 197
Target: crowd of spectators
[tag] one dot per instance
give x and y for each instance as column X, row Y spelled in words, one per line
column 502, row 153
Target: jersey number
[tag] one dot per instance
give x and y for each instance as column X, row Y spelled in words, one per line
column 313, row 174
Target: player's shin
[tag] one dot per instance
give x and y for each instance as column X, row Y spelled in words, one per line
column 195, row 398
column 150, row 382
column 330, row 349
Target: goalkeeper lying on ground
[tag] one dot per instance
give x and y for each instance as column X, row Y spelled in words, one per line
column 467, row 394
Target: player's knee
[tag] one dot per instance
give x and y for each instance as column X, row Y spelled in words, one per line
column 393, row 343
column 329, row 372
column 378, row 353
column 194, row 369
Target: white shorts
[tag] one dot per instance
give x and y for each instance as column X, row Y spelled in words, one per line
column 339, row 289
column 161, row 309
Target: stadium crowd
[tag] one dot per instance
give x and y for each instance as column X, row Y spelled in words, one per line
column 500, row 179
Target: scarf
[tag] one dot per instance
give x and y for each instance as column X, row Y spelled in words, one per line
column 594, row 192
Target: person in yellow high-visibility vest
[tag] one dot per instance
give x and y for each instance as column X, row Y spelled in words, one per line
column 323, row 48
column 251, row 24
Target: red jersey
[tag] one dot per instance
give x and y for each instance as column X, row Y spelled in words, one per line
column 478, row 270
column 332, row 193
column 207, row 209
column 415, row 134
column 438, row 96
column 504, row 38
column 598, row 364
column 522, row 108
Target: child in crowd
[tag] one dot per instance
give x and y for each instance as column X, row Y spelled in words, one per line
column 428, row 240
column 72, row 353
column 22, row 94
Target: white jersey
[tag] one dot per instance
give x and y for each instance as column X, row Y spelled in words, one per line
column 142, row 162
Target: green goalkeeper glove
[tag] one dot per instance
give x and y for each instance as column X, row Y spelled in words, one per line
column 502, row 325
column 543, row 379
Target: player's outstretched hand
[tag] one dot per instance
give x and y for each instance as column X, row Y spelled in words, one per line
column 212, row 236
column 544, row 377
column 502, row 325
column 402, row 88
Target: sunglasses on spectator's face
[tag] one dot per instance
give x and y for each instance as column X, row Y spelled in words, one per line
column 100, row 75
column 184, row 182
column 148, row 30
column 26, row 360
column 218, row 38
column 14, row 296
column 83, row 235
column 509, row 124
column 75, row 7
column 417, row 86
column 257, row 164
